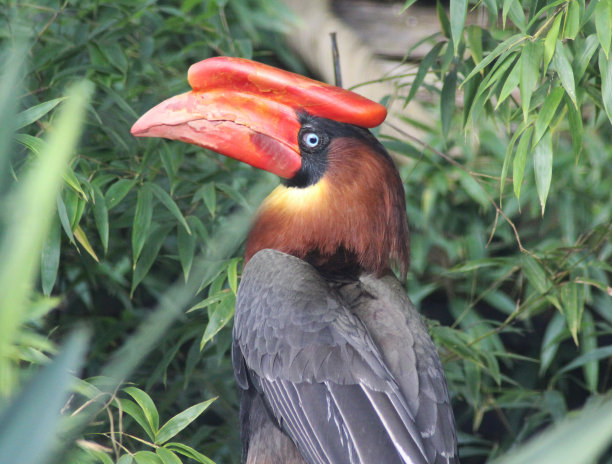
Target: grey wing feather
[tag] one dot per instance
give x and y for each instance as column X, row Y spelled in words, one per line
column 321, row 375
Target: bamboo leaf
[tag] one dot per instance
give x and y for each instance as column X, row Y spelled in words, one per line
column 572, row 309
column 167, row 456
column 49, row 263
column 189, row 452
column 137, row 413
column 583, row 53
column 553, row 336
column 118, row 191
column 530, row 67
column 147, row 457
column 186, row 247
column 546, row 113
column 447, row 102
column 180, row 421
column 146, row 404
column 208, row 193
column 588, row 344
column 520, row 161
column 511, row 83
column 535, row 274
column 458, row 12
column 572, row 20
column 603, row 24
column 542, row 166
column 550, row 42
column 221, row 315
column 81, row 237
column 506, row 45
column 605, row 67
column 149, row 253
column 576, row 130
column 101, row 216
column 142, row 220
column 565, row 71
column 170, row 205
column 33, row 114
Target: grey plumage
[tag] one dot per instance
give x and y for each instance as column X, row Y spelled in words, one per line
column 345, row 369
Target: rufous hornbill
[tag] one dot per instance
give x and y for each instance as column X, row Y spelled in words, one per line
column 333, row 361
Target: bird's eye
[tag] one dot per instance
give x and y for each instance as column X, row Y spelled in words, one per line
column 311, row 140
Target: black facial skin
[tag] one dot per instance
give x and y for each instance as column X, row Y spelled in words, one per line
column 314, row 159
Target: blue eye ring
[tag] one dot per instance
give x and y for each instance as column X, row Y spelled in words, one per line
column 311, row 139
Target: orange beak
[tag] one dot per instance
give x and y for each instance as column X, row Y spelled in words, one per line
column 250, row 112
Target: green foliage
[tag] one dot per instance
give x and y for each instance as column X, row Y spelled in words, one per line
column 525, row 271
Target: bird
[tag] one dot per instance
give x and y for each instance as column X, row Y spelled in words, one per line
column 333, row 362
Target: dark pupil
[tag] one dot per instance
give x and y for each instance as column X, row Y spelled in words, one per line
column 312, row 140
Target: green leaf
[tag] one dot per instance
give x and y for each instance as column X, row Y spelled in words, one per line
column 603, row 24
column 169, row 203
column 205, row 303
column 535, row 274
column 424, row 67
column 125, row 459
column 81, row 237
column 447, row 102
column 186, row 247
column 565, row 71
column 180, row 421
column 189, row 452
column 505, row 9
column 136, row 413
column 605, row 67
column 142, row 220
column 474, row 41
column 232, row 274
column 101, row 216
column 551, row 341
column 30, row 422
column 443, row 18
column 209, row 195
column 167, row 456
column 591, row 427
column 582, row 56
column 575, row 122
column 542, row 166
column 582, row 360
column 572, row 308
column 505, row 46
column 530, row 67
column 407, row 5
column 588, row 343
column 33, row 114
column 520, row 161
column 511, row 83
column 62, row 213
column 147, row 405
column 458, row 12
column 221, row 315
column 551, row 41
column 118, row 191
column 546, row 113
column 147, row 457
column 149, row 253
column 572, row 20
column 49, row 262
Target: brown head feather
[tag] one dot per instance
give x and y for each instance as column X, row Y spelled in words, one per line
column 357, row 210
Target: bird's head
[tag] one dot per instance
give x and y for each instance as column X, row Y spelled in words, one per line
column 341, row 202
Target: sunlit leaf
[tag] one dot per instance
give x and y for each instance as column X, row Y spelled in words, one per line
column 550, row 42
column 572, row 20
column 180, row 421
column 33, row 114
column 146, row 404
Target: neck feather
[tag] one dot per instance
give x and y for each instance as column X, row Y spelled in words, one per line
column 354, row 217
